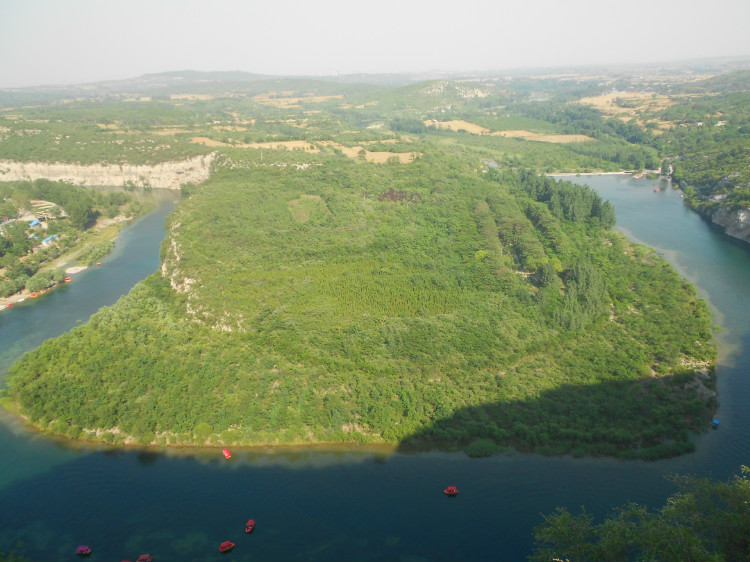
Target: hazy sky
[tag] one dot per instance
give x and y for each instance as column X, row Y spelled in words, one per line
column 74, row 41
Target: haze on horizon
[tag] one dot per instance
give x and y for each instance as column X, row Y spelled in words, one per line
column 48, row 42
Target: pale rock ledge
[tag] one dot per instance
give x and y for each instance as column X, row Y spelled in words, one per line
column 167, row 175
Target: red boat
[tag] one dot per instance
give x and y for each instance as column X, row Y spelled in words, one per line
column 10, row 305
column 68, row 279
column 656, row 190
column 227, row 454
column 250, row 526
column 145, row 558
column 226, row 546
column 83, row 550
column 451, row 491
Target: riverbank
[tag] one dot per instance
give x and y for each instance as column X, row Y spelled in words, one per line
column 624, row 173
column 105, row 231
column 168, row 441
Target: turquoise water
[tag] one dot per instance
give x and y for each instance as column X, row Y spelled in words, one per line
column 347, row 505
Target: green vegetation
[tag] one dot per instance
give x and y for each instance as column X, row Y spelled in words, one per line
column 308, row 296
column 67, row 214
column 703, row 520
column 359, row 303
column 709, row 148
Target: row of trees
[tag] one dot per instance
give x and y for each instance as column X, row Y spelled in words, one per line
column 704, row 519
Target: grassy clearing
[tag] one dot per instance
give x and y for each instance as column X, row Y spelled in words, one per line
column 458, row 125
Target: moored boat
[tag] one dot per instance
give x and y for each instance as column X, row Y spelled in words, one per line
column 451, row 491
column 250, row 526
column 83, row 550
column 145, row 558
column 227, row 454
column 68, row 279
column 226, row 546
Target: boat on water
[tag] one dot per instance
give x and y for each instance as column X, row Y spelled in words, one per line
column 638, row 176
column 34, row 295
column 145, row 558
column 656, row 190
column 226, row 546
column 227, row 454
column 83, row 550
column 250, row 526
column 10, row 305
column 451, row 491
column 68, row 279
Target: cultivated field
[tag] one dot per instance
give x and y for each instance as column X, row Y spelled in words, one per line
column 458, row 125
column 528, row 135
column 287, row 100
column 280, row 145
column 376, row 157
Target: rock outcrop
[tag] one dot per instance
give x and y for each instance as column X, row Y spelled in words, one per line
column 734, row 223
column 167, row 175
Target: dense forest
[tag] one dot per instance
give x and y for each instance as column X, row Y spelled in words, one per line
column 372, row 264
column 356, row 302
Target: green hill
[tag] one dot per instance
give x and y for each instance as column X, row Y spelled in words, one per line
column 323, row 299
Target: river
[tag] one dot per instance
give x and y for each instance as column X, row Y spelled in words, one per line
column 344, row 504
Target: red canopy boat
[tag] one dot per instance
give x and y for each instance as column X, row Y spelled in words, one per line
column 451, row 491
column 68, row 279
column 227, row 454
column 83, row 550
column 145, row 558
column 250, row 526
column 226, row 546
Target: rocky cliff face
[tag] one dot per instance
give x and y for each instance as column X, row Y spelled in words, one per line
column 167, row 175
column 735, row 223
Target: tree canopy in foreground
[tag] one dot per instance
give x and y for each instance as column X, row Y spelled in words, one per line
column 704, row 521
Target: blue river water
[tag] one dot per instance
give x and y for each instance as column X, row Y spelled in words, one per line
column 341, row 504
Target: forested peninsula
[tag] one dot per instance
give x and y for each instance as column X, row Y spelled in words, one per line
column 359, row 303
column 380, row 265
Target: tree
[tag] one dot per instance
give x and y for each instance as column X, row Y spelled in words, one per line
column 704, row 521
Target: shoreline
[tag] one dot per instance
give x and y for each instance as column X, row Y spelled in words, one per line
column 631, row 173
column 67, row 261
column 25, row 294
column 12, row 408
